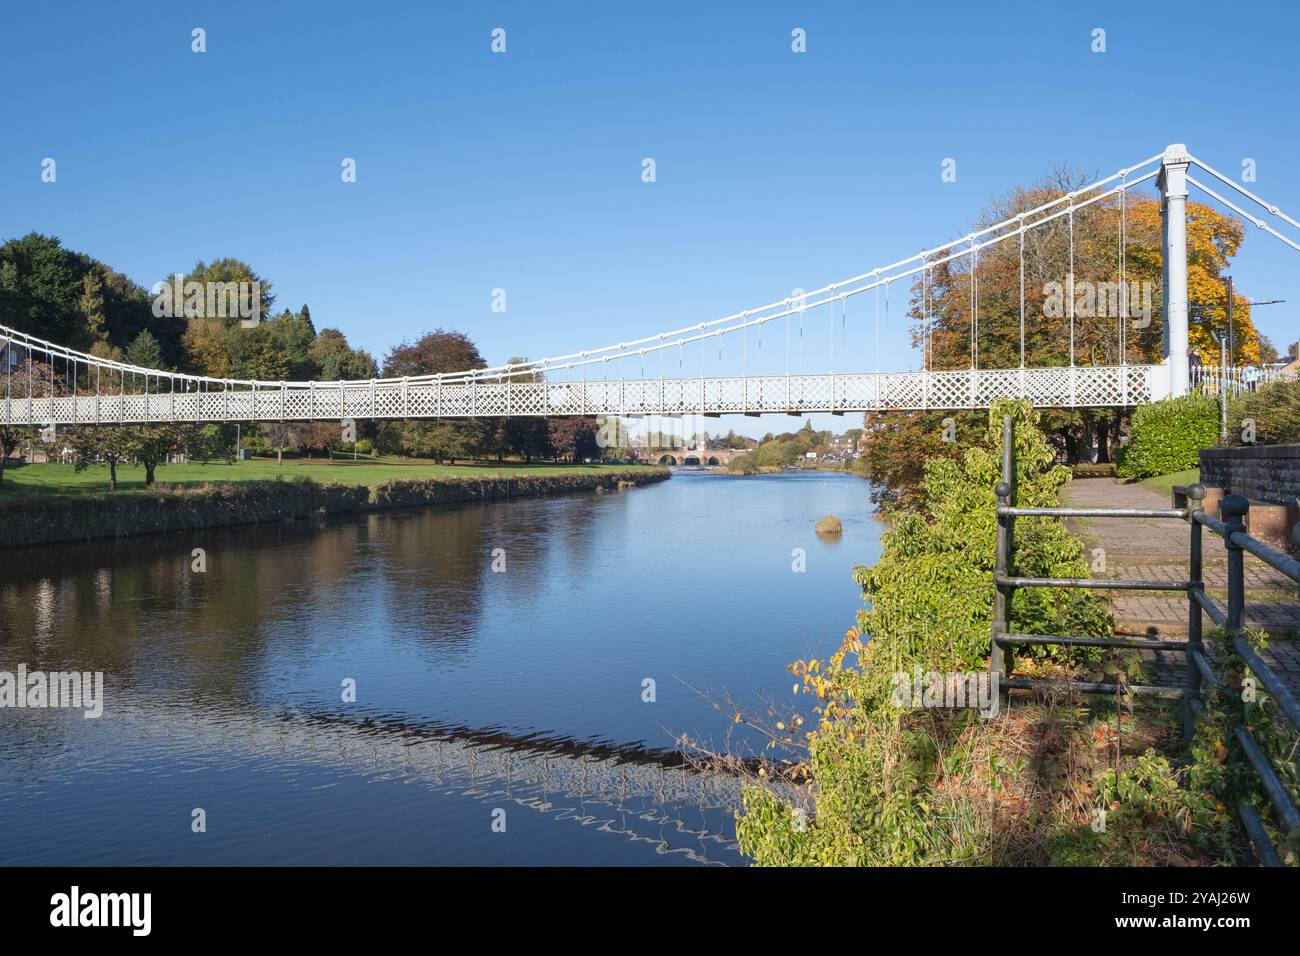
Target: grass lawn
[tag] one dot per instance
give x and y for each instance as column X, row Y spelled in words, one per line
column 1163, row 485
column 55, row 479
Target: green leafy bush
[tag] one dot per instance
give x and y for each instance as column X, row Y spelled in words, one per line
column 897, row 787
column 1275, row 411
column 931, row 592
column 1168, row 435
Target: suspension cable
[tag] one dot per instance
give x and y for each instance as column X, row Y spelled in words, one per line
column 1022, row 293
column 1071, row 283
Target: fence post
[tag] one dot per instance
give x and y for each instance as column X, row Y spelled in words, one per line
column 1195, row 495
column 1000, row 661
column 1234, row 509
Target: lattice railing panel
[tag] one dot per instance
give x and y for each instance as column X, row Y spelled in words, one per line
column 1048, row 386
column 1141, row 389
column 950, row 390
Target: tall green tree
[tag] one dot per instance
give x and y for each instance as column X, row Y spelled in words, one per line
column 254, row 354
column 144, row 351
column 335, row 359
column 75, row 300
column 293, row 336
column 256, row 298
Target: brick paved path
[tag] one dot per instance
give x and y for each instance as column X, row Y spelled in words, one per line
column 1157, row 549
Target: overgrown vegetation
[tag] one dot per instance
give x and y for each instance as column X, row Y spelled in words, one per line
column 1050, row 780
column 1168, row 436
column 1220, row 777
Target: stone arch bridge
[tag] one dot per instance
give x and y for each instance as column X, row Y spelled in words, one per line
column 693, row 456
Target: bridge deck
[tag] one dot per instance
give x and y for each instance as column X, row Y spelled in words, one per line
column 1064, row 387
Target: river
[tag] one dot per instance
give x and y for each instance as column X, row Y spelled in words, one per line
column 500, row 651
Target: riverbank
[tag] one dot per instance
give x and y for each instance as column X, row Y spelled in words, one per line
column 51, row 518
column 53, row 478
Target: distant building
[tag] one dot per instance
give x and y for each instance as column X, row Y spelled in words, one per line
column 12, row 355
column 842, row 446
column 1292, row 362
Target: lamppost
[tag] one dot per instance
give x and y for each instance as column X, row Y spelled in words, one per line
column 1227, row 342
column 1232, row 340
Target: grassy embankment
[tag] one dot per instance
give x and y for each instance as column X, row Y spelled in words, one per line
column 1163, row 485
column 63, row 480
column 48, row 503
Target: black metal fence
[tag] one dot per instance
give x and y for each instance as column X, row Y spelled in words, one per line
column 1231, row 527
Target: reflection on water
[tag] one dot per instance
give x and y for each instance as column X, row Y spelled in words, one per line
column 520, row 690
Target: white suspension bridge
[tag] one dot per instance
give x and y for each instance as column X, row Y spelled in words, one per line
column 55, row 385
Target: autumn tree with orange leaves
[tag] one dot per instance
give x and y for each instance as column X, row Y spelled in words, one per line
column 966, row 313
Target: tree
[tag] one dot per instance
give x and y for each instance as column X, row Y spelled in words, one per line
column 151, row 444
column 206, row 348
column 306, row 437
column 1268, row 354
column 442, row 440
column 144, row 351
column 948, row 297
column 10, row 439
column 943, row 301
column 572, row 438
column 91, row 307
column 293, row 336
column 436, row 352
column 73, row 299
column 334, row 359
column 254, row 354
column 283, row 436
column 895, row 450
column 99, row 443
column 253, row 296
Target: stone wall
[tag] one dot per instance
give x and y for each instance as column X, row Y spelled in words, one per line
column 1269, row 476
column 1264, row 473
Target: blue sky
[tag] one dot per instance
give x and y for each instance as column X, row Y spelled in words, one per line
column 522, row 170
